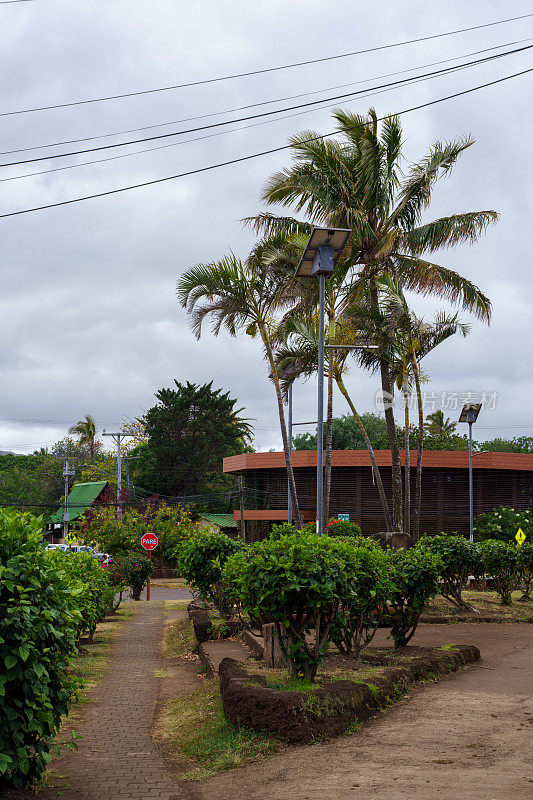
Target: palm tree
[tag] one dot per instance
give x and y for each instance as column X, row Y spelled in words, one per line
column 357, row 182
column 403, row 339
column 300, row 351
column 240, row 296
column 85, row 430
column 438, row 426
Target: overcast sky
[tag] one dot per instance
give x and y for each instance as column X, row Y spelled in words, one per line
column 90, row 322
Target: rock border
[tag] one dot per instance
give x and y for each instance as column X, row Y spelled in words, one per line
column 300, row 718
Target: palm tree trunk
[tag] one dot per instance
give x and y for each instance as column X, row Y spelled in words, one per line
column 283, row 426
column 407, row 468
column 396, row 466
column 418, row 485
column 329, row 443
column 368, row 443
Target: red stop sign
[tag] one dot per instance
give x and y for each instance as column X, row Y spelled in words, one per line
column 149, row 541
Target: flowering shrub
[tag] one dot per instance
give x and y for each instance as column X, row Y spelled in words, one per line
column 414, row 574
column 503, row 524
column 341, row 527
column 135, row 570
column 171, row 524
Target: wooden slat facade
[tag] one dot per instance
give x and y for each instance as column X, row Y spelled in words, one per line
column 499, row 479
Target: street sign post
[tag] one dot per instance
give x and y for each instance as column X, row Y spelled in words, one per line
column 149, row 541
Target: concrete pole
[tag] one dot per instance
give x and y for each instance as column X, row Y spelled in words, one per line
column 119, row 478
column 470, row 481
column 66, row 474
column 320, row 417
column 289, row 502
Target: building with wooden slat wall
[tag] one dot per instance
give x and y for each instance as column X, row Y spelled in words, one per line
column 499, row 479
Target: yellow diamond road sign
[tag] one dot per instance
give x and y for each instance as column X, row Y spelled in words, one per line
column 520, row 536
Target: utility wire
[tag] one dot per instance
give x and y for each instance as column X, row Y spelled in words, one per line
column 267, row 69
column 253, row 155
column 262, row 103
column 344, row 96
column 200, row 138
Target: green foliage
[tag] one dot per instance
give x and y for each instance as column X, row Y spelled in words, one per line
column 90, row 583
column 347, row 435
column 360, row 612
column 284, row 529
column 299, row 583
column 171, row 524
column 525, row 563
column 500, row 561
column 414, row 574
column 189, row 432
column 339, row 527
column 136, row 569
column 519, row 444
column 201, row 561
column 39, row 624
column 458, row 559
column 503, row 523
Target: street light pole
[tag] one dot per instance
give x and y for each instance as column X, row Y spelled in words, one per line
column 318, row 259
column 470, row 414
column 320, row 406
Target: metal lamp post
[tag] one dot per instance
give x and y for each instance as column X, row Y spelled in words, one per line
column 322, row 250
column 470, row 414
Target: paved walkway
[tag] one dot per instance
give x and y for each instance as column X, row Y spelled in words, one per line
column 117, row 759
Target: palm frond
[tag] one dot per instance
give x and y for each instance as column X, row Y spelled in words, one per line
column 448, row 231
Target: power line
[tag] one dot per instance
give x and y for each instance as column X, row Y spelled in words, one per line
column 345, row 96
column 367, row 93
column 252, row 155
column 266, row 69
column 262, row 103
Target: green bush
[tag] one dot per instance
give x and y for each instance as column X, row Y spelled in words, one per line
column 500, row 561
column 90, row 583
column 459, row 558
column 283, row 529
column 201, row 560
column 136, row 569
column 341, row 527
column 414, row 574
column 39, row 624
column 503, row 523
column 360, row 613
column 525, row 563
column 299, row 583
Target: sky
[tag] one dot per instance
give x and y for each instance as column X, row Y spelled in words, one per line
column 90, row 323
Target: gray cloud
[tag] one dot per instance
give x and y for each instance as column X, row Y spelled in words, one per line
column 90, row 323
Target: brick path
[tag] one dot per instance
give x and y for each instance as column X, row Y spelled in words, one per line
column 117, row 760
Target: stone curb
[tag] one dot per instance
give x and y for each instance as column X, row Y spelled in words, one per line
column 300, row 718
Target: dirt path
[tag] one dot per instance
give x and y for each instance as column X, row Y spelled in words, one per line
column 467, row 737
column 117, row 759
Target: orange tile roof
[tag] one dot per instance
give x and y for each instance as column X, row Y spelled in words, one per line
column 444, row 459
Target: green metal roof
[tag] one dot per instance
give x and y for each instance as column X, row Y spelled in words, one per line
column 81, row 497
column 224, row 520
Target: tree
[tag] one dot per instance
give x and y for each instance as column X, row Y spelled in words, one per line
column 346, row 434
column 85, row 430
column 438, row 426
column 240, row 297
column 358, row 183
column 190, row 430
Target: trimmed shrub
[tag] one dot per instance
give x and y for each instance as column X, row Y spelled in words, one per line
column 500, row 561
column 201, row 560
column 415, row 575
column 503, row 523
column 299, row 583
column 136, row 569
column 341, row 527
column 525, row 563
column 459, row 558
column 91, row 584
column 39, row 624
column 283, row 529
column 360, row 613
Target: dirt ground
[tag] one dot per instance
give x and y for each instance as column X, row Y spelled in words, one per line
column 467, row 737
